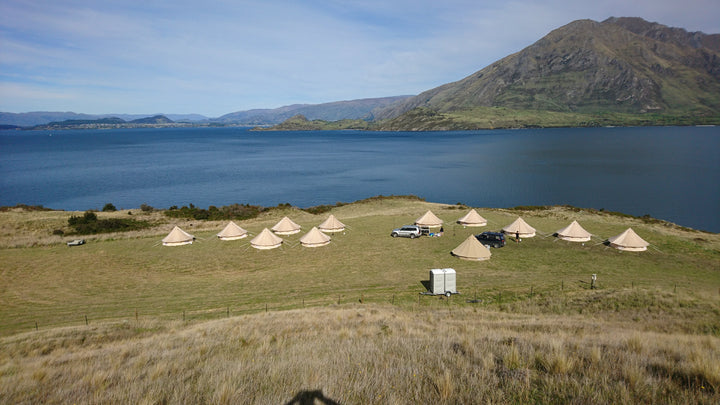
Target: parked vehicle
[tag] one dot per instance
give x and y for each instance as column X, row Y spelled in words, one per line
column 407, row 231
column 76, row 242
column 493, row 239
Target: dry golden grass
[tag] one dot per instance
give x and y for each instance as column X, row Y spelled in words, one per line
column 362, row 354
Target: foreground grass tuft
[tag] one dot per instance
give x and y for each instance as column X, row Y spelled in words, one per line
column 362, row 354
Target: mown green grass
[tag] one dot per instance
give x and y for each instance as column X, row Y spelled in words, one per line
column 119, row 277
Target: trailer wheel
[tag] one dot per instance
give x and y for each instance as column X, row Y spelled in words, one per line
column 447, row 294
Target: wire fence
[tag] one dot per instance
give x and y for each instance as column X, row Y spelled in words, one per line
column 525, row 298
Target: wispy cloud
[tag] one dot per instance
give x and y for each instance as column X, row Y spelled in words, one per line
column 222, row 56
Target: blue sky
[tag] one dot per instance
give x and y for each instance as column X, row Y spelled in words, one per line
column 219, row 56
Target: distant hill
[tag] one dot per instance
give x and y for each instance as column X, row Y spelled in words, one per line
column 158, row 119
column 620, row 66
column 106, row 123
column 30, row 119
column 339, row 110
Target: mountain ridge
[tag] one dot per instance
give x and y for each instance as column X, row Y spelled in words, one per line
column 623, row 65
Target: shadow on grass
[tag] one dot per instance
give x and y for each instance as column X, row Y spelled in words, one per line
column 309, row 397
column 426, row 284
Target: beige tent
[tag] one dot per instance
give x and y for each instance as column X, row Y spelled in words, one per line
column 314, row 238
column 521, row 227
column 177, row 237
column 472, row 218
column 331, row 224
column 286, row 227
column 629, row 241
column 429, row 220
column 266, row 240
column 232, row 232
column 471, row 249
column 574, row 233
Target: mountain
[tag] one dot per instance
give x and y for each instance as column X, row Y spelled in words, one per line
column 621, row 66
column 339, row 110
column 158, row 119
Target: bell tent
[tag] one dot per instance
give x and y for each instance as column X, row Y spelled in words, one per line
column 178, row 237
column 472, row 218
column 574, row 233
column 471, row 249
column 266, row 240
column 629, row 241
column 519, row 226
column 232, row 232
column 429, row 220
column 286, row 227
column 331, row 224
column 314, row 238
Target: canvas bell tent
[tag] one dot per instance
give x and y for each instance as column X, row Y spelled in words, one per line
column 177, row 237
column 629, row 241
column 471, row 249
column 266, row 240
column 574, row 233
column 331, row 224
column 429, row 220
column 232, row 232
column 519, row 226
column 472, row 218
column 314, row 238
column 286, row 227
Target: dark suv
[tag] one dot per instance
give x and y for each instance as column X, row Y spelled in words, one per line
column 493, row 239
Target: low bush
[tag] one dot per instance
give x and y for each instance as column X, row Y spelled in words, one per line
column 89, row 224
column 213, row 213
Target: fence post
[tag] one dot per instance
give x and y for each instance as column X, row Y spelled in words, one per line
column 136, row 315
column 86, row 321
column 36, row 326
column 183, row 316
column 393, row 300
column 228, row 312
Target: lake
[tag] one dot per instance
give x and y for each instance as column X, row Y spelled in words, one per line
column 672, row 173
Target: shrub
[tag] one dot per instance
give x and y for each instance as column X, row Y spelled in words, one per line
column 109, row 208
column 146, row 208
column 234, row 211
column 90, row 224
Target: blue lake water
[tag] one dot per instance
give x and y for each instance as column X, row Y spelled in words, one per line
column 671, row 173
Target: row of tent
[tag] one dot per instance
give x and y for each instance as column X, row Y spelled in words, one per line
column 628, row 240
column 472, row 249
column 266, row 239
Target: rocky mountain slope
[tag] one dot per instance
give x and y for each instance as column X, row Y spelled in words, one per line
column 620, row 65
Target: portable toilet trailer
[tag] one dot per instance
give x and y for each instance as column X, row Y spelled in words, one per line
column 442, row 282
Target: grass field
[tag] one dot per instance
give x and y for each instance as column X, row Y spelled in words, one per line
column 220, row 321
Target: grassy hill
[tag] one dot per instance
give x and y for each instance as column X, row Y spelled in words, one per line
column 124, row 319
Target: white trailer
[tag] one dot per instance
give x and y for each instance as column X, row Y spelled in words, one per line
column 442, row 282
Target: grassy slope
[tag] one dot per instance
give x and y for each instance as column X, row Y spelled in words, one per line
column 648, row 305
